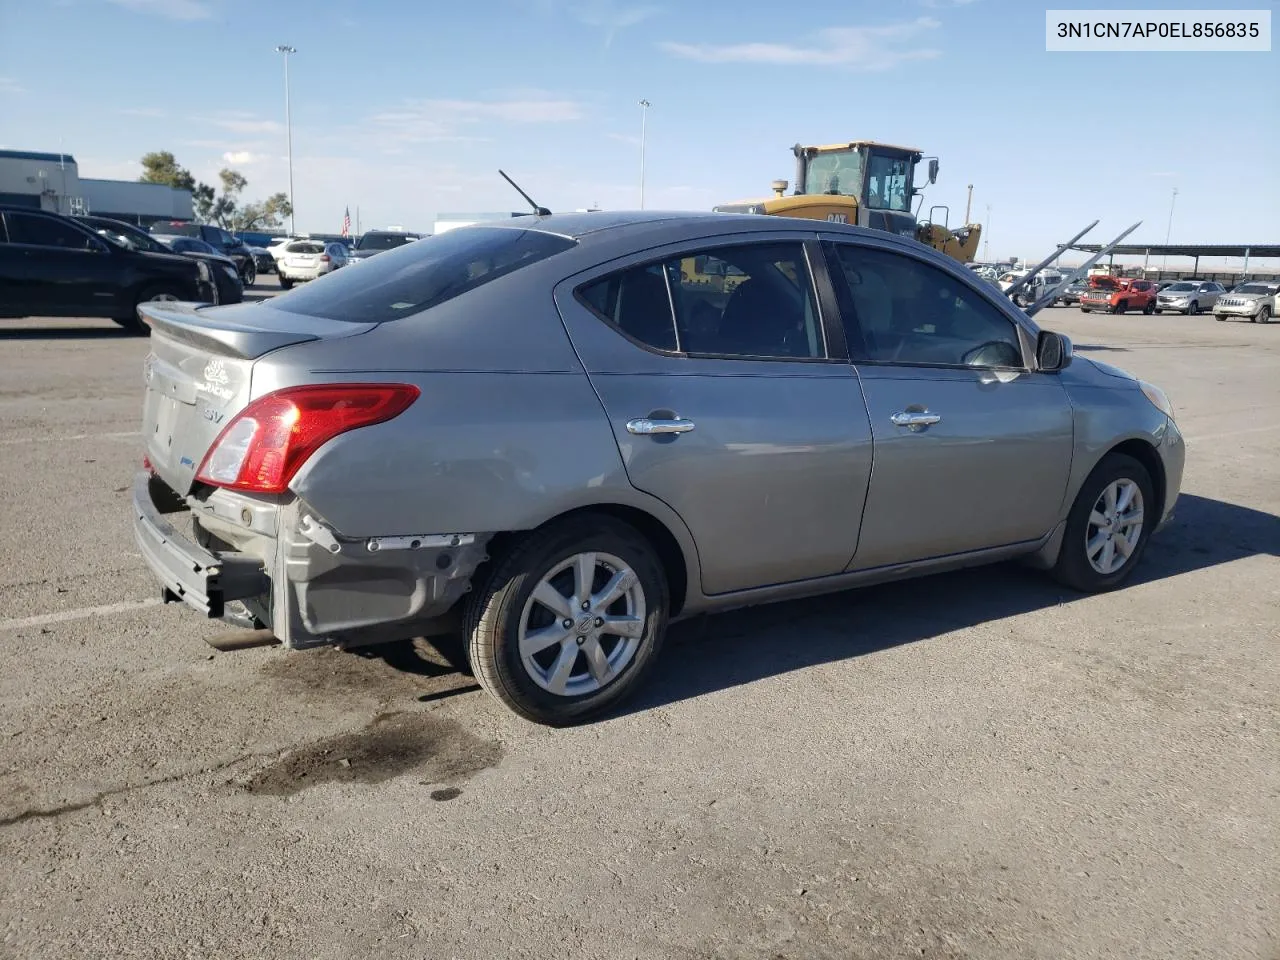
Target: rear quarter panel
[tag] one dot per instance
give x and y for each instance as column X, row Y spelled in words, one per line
column 507, row 434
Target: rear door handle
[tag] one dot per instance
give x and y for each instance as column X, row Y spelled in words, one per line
column 915, row 419
column 645, row 426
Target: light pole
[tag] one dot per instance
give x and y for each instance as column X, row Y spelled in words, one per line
column 1169, row 230
column 986, row 237
column 288, row 127
column 644, row 114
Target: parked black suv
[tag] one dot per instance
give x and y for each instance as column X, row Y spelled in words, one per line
column 52, row 266
column 216, row 237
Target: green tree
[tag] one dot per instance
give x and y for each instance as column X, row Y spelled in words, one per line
column 162, row 167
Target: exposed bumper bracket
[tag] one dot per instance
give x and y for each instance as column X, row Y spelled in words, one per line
column 188, row 572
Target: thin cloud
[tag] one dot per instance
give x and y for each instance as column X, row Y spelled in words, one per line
column 237, row 121
column 429, row 121
column 611, row 17
column 10, row 85
column 854, row 48
column 154, row 113
column 243, row 157
column 169, row 9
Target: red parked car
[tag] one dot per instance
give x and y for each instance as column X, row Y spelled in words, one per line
column 1120, row 296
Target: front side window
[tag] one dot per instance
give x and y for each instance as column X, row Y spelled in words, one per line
column 910, row 312
column 749, row 301
column 41, row 231
column 888, row 180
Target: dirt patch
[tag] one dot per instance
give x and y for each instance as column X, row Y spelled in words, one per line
column 437, row 749
column 383, row 673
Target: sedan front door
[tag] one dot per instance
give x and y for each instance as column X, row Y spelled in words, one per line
column 731, row 402
column 60, row 269
column 972, row 448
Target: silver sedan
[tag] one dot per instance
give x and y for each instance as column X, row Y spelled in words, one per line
column 558, row 434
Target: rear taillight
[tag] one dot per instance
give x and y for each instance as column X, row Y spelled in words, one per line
column 265, row 443
column 324, row 258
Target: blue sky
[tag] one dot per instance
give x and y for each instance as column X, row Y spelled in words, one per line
column 408, row 109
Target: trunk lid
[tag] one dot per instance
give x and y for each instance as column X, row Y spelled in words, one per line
column 199, row 373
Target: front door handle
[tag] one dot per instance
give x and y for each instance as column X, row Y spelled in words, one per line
column 915, row 419
column 646, row 427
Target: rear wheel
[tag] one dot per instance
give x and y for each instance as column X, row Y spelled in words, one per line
column 1108, row 527
column 285, row 282
column 569, row 621
column 1263, row 315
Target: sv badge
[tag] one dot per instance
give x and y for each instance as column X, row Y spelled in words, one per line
column 213, row 415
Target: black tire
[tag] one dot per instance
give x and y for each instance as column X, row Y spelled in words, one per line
column 495, row 609
column 1073, row 568
column 249, row 274
column 1221, row 317
column 157, row 291
column 1150, row 308
column 1085, row 310
column 1120, row 307
column 1263, row 315
column 1194, row 309
column 285, row 283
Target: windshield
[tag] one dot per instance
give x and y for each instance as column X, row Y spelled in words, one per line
column 418, row 276
column 305, row 246
column 381, row 241
column 1179, row 288
column 124, row 236
column 834, row 173
column 1256, row 288
column 889, row 183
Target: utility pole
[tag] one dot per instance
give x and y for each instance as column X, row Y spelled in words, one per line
column 288, row 126
column 986, row 236
column 1169, row 230
column 644, row 115
column 968, row 204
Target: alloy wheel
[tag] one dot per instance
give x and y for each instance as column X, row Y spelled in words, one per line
column 1114, row 527
column 582, row 624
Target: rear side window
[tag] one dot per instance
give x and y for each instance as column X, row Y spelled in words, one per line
column 46, row 232
column 420, row 275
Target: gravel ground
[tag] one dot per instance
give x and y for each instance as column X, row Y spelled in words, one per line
column 971, row 765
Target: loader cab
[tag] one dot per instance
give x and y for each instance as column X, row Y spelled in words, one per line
column 878, row 176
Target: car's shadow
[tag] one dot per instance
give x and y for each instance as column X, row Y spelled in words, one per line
column 714, row 653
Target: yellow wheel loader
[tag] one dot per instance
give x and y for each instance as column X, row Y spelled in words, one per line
column 865, row 183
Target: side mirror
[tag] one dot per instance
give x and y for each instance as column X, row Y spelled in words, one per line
column 933, row 170
column 1053, row 352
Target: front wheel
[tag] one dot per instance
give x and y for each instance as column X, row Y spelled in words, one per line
column 1263, row 315
column 1108, row 526
column 249, row 274
column 1120, row 307
column 1194, row 309
column 1150, row 308
column 570, row 621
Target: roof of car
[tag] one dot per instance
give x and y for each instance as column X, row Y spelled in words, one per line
column 579, row 225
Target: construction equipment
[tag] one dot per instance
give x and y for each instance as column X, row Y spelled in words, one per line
column 869, row 184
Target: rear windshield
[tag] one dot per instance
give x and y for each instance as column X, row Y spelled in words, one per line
column 420, row 275
column 381, row 241
column 305, row 248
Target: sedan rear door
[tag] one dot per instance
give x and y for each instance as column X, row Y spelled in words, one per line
column 731, row 400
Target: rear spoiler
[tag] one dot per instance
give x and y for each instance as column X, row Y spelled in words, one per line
column 242, row 330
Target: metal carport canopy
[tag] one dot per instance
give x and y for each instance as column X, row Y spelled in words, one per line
column 1188, row 249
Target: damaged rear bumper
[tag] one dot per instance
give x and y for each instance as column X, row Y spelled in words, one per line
column 187, row 571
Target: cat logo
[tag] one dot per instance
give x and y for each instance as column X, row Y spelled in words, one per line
column 837, row 218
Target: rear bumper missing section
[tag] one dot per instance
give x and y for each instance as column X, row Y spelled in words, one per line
column 187, row 571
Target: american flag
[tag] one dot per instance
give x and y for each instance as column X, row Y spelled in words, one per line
column 346, row 223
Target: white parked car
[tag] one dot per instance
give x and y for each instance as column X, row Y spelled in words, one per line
column 308, row 259
column 1256, row 300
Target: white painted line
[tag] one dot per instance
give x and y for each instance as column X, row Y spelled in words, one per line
column 76, row 436
column 82, row 613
